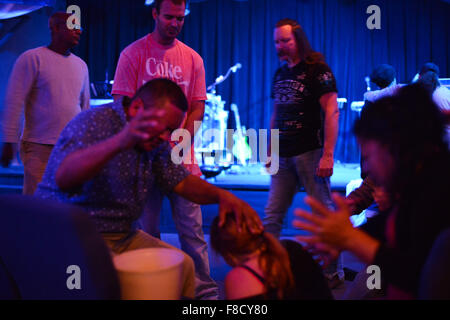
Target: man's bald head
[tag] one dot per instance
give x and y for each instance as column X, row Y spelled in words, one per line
column 58, row 18
column 59, row 31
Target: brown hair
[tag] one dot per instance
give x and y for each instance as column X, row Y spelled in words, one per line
column 273, row 259
column 304, row 47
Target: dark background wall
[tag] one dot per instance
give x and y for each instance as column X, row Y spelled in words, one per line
column 225, row 32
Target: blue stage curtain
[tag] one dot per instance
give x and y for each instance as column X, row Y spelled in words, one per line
column 225, row 32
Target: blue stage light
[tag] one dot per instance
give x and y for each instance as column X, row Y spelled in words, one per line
column 150, row 2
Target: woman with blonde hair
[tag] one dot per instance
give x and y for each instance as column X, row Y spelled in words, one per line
column 265, row 268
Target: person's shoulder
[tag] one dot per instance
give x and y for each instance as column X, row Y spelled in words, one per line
column 442, row 91
column 136, row 46
column 93, row 124
column 105, row 109
column 374, row 95
column 32, row 53
column 240, row 283
column 370, row 95
column 79, row 60
column 319, row 67
column 185, row 47
column 103, row 112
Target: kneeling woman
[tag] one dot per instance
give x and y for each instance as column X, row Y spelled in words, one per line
column 265, row 268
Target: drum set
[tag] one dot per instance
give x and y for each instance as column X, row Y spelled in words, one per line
column 211, row 136
column 210, row 143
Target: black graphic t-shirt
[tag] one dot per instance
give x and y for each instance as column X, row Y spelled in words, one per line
column 298, row 115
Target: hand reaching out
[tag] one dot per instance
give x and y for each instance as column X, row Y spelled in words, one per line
column 330, row 228
column 323, row 253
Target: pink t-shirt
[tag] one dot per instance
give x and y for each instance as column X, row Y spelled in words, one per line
column 146, row 59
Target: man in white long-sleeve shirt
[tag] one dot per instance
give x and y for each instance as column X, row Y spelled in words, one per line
column 50, row 85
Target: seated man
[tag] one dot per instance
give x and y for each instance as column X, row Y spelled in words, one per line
column 383, row 76
column 107, row 158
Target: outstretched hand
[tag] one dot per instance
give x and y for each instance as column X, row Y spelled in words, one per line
column 323, row 253
column 329, row 229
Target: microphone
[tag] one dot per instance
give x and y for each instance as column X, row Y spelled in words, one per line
column 367, row 79
column 236, row 67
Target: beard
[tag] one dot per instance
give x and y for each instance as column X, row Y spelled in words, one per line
column 281, row 53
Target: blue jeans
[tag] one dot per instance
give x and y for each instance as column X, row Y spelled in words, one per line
column 293, row 173
column 187, row 217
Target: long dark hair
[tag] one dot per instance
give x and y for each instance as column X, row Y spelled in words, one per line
column 411, row 126
column 304, row 47
column 273, row 260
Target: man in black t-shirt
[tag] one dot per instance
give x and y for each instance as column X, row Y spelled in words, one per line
column 306, row 114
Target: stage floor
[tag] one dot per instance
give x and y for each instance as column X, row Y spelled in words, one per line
column 255, row 177
column 248, row 183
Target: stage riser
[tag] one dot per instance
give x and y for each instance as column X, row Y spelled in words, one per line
column 11, row 180
column 257, row 199
column 12, row 183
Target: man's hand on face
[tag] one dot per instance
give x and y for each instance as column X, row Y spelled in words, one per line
column 146, row 125
column 228, row 203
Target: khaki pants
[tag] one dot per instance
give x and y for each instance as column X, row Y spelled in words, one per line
column 121, row 242
column 34, row 157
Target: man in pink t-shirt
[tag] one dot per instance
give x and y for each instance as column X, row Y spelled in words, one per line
column 160, row 55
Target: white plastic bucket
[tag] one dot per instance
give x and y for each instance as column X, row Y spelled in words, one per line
column 150, row 274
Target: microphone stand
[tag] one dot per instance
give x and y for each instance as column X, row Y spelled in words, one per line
column 221, row 78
